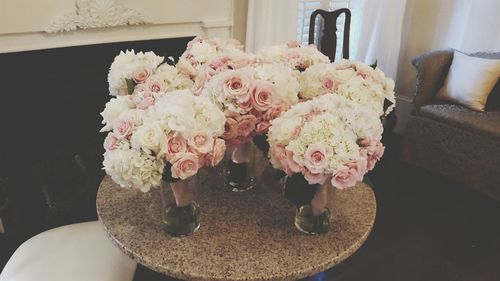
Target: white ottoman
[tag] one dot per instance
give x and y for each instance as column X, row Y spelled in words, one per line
column 76, row 252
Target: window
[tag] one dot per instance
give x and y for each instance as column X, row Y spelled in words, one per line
column 306, row 7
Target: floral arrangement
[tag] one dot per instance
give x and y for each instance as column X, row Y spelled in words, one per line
column 215, row 52
column 353, row 80
column 251, row 97
column 177, row 135
column 326, row 138
column 294, row 54
column 136, row 73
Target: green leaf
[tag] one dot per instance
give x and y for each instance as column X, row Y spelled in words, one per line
column 374, row 65
column 130, row 85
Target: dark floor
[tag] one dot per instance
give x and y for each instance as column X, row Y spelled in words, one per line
column 427, row 228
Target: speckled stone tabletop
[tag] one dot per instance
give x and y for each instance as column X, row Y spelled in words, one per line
column 243, row 236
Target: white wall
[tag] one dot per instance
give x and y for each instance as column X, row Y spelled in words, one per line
column 22, row 22
column 470, row 26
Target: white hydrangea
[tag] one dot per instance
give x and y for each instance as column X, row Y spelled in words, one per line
column 184, row 112
column 284, row 77
column 125, row 64
column 132, row 168
column 203, row 51
column 327, row 129
column 364, row 92
column 173, row 79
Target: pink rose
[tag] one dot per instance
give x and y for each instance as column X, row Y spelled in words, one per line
column 293, row 54
column 263, row 95
column 293, row 44
column 269, row 116
column 185, row 67
column 246, row 105
column 200, row 81
column 155, row 84
column 317, row 157
column 110, row 142
column 145, row 103
column 175, row 144
column 201, row 142
column 141, row 89
column 374, row 150
column 230, row 127
column 122, row 128
column 194, row 62
column 217, row 153
column 263, row 126
column 246, row 125
column 219, row 64
column 185, row 165
column 236, row 85
column 238, row 62
column 140, row 75
column 142, row 98
column 314, row 178
column 329, row 84
column 275, row 112
column 349, row 174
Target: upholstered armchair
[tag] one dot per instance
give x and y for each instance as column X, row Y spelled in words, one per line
column 450, row 139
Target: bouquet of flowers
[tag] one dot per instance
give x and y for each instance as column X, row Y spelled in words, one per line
column 326, row 138
column 173, row 138
column 353, row 80
column 216, row 52
column 251, row 97
column 294, row 54
column 143, row 73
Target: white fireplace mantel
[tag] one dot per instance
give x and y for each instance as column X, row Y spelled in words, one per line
column 21, row 29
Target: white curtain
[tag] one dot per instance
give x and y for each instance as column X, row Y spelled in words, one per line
column 376, row 32
column 270, row 22
column 472, row 26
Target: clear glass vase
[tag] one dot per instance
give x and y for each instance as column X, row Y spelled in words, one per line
column 180, row 214
column 312, row 215
column 239, row 172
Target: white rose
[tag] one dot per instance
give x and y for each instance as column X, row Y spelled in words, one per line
column 149, row 136
column 113, row 109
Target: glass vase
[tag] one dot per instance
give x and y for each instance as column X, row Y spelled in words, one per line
column 180, row 213
column 312, row 215
column 239, row 173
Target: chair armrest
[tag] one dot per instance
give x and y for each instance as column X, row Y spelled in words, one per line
column 432, row 68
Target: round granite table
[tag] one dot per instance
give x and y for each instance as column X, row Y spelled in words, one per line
column 243, row 236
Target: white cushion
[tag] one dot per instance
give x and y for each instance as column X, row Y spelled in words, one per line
column 77, row 252
column 470, row 80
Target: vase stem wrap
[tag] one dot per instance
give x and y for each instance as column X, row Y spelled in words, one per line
column 320, row 200
column 182, row 193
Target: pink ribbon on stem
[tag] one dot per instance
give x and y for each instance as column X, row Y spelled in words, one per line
column 182, row 193
column 320, row 201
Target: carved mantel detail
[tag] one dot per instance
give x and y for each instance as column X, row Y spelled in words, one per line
column 97, row 14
